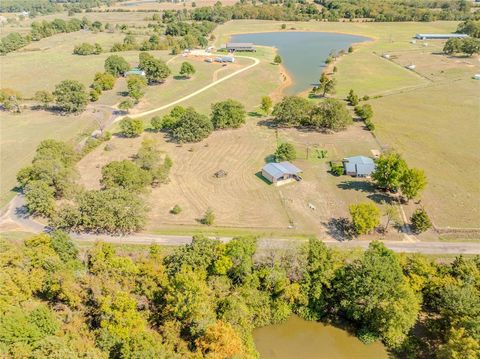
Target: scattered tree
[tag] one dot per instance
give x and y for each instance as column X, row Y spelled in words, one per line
column 192, row 127
column 44, row 97
column 420, row 221
column 331, row 114
column 136, row 86
column 176, row 209
column 208, row 217
column 285, row 152
column 155, row 69
column 116, row 65
column 266, row 105
column 412, row 183
column 70, row 96
column 187, row 69
column 292, row 111
column 352, row 98
column 389, row 171
column 365, row 217
column 277, row 60
column 228, row 114
column 131, row 127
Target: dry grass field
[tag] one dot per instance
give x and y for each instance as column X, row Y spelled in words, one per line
column 140, row 5
column 243, row 199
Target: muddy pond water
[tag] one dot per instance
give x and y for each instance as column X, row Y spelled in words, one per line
column 301, row 339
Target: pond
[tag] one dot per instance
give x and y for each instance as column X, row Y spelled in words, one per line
column 298, row 338
column 303, row 53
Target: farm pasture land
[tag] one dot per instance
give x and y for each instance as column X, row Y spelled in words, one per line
column 20, row 135
column 242, row 199
column 142, row 5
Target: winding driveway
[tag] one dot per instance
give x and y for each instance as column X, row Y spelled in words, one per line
column 195, row 93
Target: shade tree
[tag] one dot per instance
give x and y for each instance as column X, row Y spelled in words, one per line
column 70, row 96
column 228, row 114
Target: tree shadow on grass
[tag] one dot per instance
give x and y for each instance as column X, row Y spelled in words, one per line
column 180, row 77
column 340, row 228
column 362, row 186
column 381, row 198
column 267, row 123
column 270, row 158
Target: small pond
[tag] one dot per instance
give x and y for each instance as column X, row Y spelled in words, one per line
column 303, row 53
column 298, row 338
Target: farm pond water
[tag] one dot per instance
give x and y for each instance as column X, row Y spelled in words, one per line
column 303, row 53
column 298, row 338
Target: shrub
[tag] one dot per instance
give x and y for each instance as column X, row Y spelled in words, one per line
column 208, row 218
column 87, row 49
column 116, row 65
column 131, row 127
column 156, row 123
column 104, row 80
column 420, row 221
column 176, row 209
column 125, row 174
column 70, row 96
column 337, row 169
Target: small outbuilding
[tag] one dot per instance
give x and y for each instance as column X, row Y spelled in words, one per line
column 240, row 46
column 281, row 173
column 135, row 71
column 439, row 36
column 476, row 77
column 358, row 166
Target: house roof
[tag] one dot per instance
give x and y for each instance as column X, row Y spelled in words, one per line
column 361, row 165
column 135, row 71
column 277, row 170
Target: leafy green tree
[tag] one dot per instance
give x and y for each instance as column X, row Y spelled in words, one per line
column 148, row 156
column 326, row 85
column 155, row 69
column 420, row 221
column 156, row 122
column 192, row 127
column 285, row 152
column 453, row 46
column 64, row 246
column 116, row 65
column 365, row 112
column 70, row 96
column 292, row 111
column 373, row 292
column 470, row 27
column 413, row 182
column 39, row 197
column 391, row 212
column 317, row 280
column 126, row 105
column 105, row 80
column 365, row 217
column 44, row 97
column 136, row 85
column 277, row 60
column 241, row 250
column 266, row 105
column 459, row 346
column 352, row 98
column 131, row 127
column 228, row 114
column 331, row 114
column 187, row 69
column 125, row 174
column 471, row 46
column 208, row 217
column 87, row 49
column 389, row 170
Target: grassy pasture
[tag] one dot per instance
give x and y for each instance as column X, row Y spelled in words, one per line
column 21, row 134
column 43, row 64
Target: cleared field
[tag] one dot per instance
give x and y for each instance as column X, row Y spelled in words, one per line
column 438, row 129
column 243, row 199
column 43, row 64
column 20, row 135
column 165, row 5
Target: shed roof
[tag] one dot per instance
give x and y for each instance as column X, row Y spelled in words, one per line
column 361, row 165
column 239, row 44
column 277, row 170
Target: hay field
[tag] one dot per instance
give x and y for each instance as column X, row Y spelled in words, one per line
column 137, row 5
column 243, row 199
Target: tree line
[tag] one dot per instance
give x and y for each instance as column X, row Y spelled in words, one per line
column 204, row 299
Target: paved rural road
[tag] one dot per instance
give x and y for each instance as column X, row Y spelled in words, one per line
column 16, row 213
column 195, row 93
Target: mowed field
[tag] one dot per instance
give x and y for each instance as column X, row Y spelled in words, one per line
column 243, row 199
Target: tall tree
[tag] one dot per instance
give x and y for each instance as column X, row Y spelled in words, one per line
column 116, row 65
column 70, row 96
column 155, row 69
column 413, row 182
column 228, row 114
column 389, row 170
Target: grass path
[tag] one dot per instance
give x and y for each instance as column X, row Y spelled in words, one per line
column 214, row 83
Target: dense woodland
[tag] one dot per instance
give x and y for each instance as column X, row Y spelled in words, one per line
column 204, row 299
